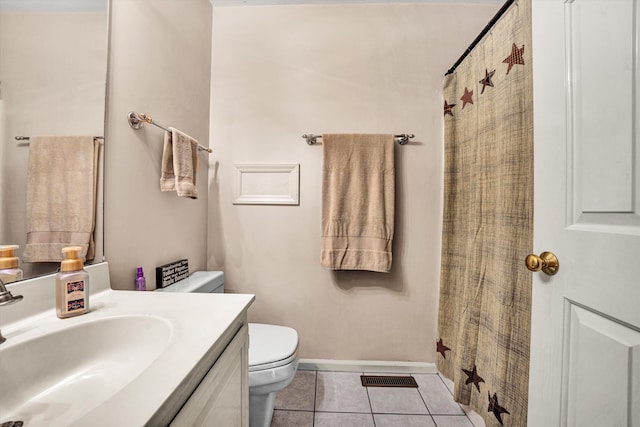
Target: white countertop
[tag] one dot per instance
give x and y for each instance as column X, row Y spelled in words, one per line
column 200, row 327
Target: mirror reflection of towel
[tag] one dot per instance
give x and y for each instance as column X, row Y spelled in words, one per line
column 61, row 196
column 179, row 164
column 358, row 196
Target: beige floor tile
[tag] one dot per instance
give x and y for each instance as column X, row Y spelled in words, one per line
column 436, row 395
column 292, row 419
column 342, row 419
column 395, row 420
column 396, row 400
column 341, row 392
column 300, row 394
column 452, row 421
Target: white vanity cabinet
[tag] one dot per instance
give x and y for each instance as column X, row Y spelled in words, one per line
column 222, row 397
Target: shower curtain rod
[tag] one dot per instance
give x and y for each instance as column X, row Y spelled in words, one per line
column 483, row 33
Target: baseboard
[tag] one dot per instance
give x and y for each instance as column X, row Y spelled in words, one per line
column 367, row 366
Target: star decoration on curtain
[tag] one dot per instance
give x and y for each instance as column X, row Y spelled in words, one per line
column 473, row 377
column 496, row 408
column 467, row 98
column 448, row 108
column 441, row 348
column 516, row 57
column 487, row 79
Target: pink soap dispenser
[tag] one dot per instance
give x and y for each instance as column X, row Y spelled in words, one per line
column 141, row 282
column 72, row 285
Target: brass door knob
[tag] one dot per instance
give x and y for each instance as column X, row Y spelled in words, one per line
column 547, row 262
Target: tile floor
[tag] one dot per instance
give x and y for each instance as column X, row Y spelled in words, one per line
column 338, row 399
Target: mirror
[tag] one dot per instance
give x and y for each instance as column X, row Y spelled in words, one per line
column 53, row 71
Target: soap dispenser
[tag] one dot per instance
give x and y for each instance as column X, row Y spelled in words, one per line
column 72, row 285
column 9, row 264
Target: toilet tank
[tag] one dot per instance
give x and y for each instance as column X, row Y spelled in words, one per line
column 198, row 282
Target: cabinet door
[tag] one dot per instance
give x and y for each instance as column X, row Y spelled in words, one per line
column 222, row 398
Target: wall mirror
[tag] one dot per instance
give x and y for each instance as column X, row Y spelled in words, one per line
column 53, row 70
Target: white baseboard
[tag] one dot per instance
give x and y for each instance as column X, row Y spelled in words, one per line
column 367, row 366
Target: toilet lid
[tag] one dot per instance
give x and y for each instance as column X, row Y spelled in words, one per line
column 269, row 344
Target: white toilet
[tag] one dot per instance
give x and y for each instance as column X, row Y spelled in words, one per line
column 272, row 351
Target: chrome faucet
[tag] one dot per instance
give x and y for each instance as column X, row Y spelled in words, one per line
column 5, row 299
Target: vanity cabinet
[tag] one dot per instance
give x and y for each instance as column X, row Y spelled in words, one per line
column 222, row 397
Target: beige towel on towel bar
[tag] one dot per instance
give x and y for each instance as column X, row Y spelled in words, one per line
column 61, row 196
column 358, row 195
column 179, row 164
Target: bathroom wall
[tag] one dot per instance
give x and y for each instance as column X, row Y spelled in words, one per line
column 160, row 55
column 281, row 71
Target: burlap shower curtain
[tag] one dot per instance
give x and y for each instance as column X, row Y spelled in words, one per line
column 485, row 290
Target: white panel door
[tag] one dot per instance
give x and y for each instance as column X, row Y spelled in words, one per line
column 585, row 337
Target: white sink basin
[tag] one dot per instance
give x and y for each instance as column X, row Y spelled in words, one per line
column 65, row 373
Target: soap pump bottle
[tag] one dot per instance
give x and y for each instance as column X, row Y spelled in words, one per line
column 72, row 285
column 9, row 264
column 141, row 282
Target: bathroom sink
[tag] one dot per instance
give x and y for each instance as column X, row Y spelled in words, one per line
column 54, row 376
column 133, row 360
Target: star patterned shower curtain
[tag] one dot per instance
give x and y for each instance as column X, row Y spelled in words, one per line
column 485, row 289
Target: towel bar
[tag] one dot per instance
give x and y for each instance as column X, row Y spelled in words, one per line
column 136, row 120
column 28, row 138
column 401, row 139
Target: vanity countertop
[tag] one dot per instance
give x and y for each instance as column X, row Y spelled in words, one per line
column 195, row 329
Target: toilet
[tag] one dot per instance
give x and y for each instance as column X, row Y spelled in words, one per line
column 272, row 351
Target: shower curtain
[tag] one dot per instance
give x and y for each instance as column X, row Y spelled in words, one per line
column 485, row 289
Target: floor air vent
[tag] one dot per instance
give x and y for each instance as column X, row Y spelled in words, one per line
column 387, row 381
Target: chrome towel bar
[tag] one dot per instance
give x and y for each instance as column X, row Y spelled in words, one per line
column 401, row 139
column 136, row 120
column 26, row 139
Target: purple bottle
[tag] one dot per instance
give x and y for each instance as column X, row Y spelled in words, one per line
column 141, row 282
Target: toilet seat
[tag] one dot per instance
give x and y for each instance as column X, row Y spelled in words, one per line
column 272, row 365
column 271, row 346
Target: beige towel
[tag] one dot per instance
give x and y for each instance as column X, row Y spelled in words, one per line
column 179, row 164
column 61, row 196
column 358, row 191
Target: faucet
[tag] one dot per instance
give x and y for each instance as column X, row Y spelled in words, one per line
column 5, row 299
